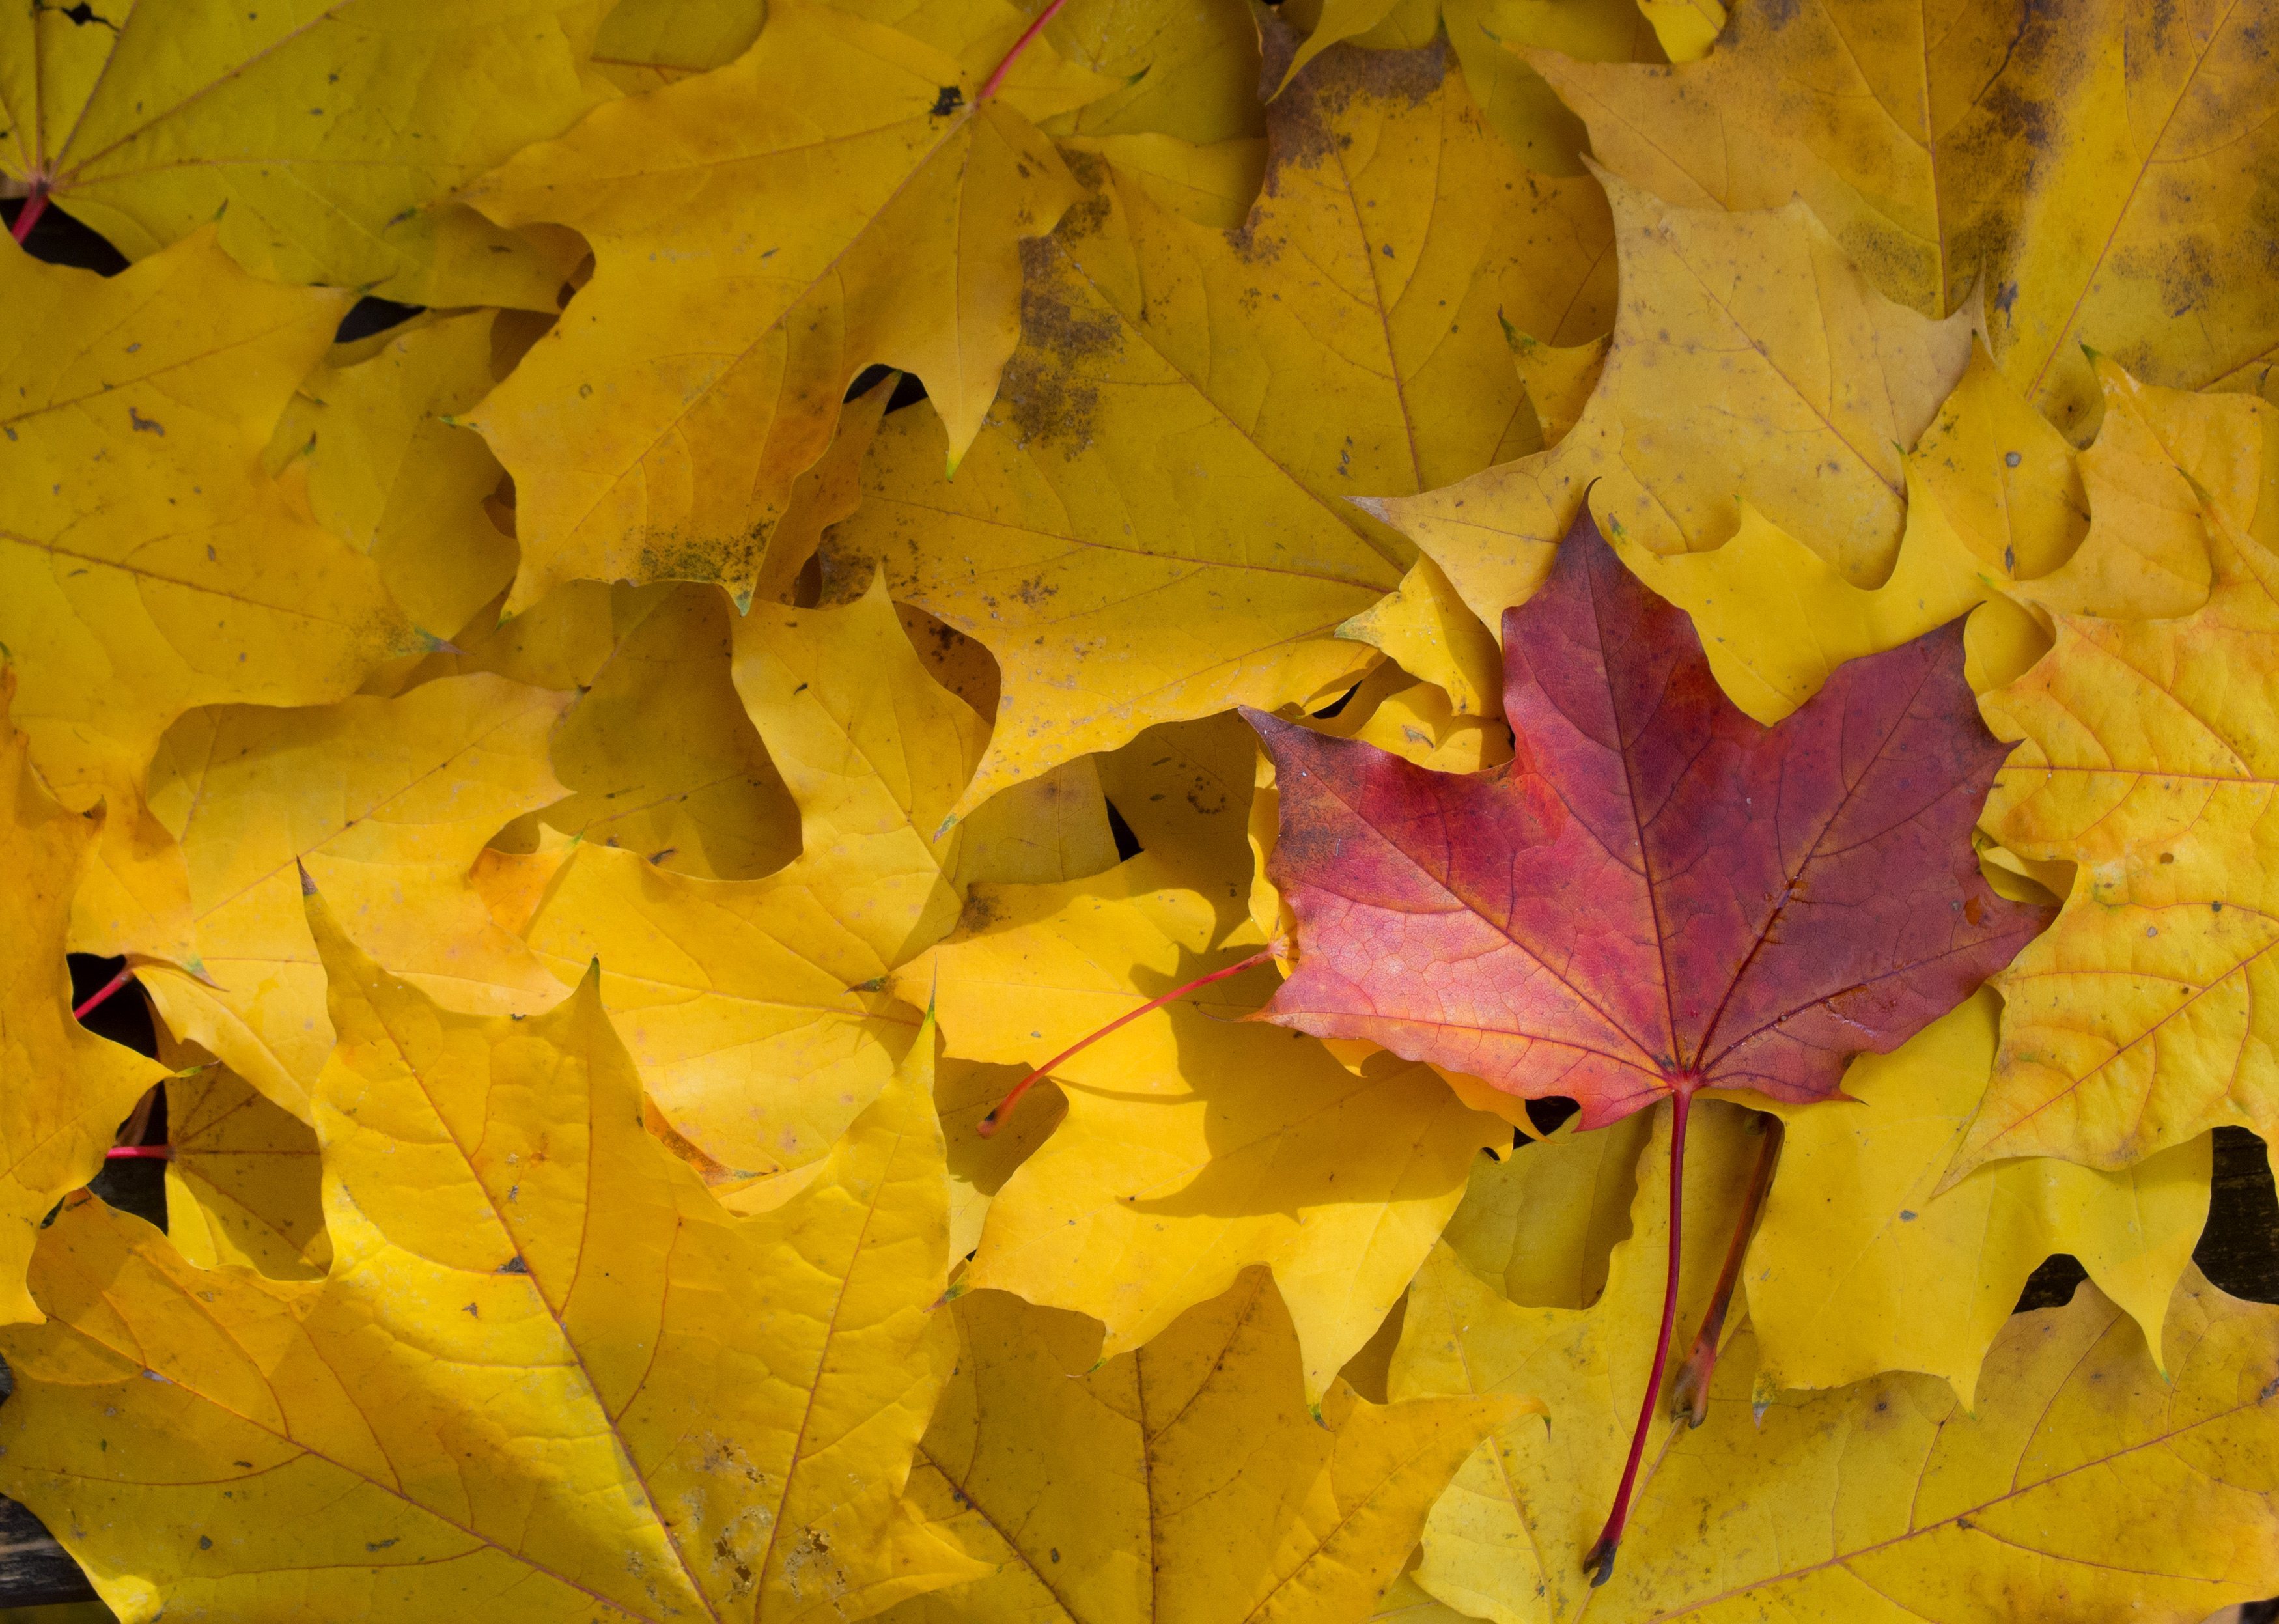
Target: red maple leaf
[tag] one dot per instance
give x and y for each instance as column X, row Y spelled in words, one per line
column 1656, row 895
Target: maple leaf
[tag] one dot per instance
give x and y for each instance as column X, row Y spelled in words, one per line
column 752, row 1006
column 147, row 566
column 743, row 265
column 386, row 802
column 384, row 470
column 1614, row 918
column 1445, row 916
column 545, row 1371
column 1195, row 1146
column 2075, row 160
column 1487, row 37
column 1885, row 1494
column 1105, row 1497
column 1158, row 498
column 149, row 124
column 1855, row 1269
column 1717, row 391
column 243, row 1181
column 2137, row 1024
column 63, row 1090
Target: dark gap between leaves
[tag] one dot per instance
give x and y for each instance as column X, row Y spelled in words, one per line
column 59, row 239
column 368, row 316
column 1127, row 844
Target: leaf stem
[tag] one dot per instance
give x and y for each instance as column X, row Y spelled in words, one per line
column 995, row 1120
column 153, row 1153
column 1689, row 1391
column 35, row 204
column 997, row 78
column 103, row 993
column 1600, row 1557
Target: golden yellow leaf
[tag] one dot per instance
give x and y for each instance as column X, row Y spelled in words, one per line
column 386, row 472
column 1686, row 28
column 1488, row 36
column 243, row 1186
column 386, row 802
column 658, row 755
column 547, row 1377
column 1857, row 1268
column 1154, row 525
column 1424, row 627
column 2158, row 453
column 835, row 196
column 1183, row 788
column 643, row 44
column 1506, row 1542
column 1560, row 379
column 1406, row 1601
column 1184, row 1483
column 822, row 495
column 1540, row 1224
column 753, row 1004
column 322, row 137
column 2083, row 1482
column 964, row 1091
column 63, row 1090
column 1196, row 1143
column 1189, row 68
column 146, row 565
column 1753, row 367
column 2138, row 1021
column 2002, row 477
column 1211, row 186
column 1040, row 830
column 2084, row 164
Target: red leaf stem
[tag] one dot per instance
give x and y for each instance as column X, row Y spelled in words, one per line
column 150, row 1153
column 104, row 992
column 1689, row 1389
column 997, row 77
column 995, row 1120
column 1600, row 1557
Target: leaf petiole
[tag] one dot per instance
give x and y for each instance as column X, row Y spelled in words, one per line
column 1689, row 1389
column 997, row 77
column 1600, row 1557
column 35, row 204
column 989, row 1124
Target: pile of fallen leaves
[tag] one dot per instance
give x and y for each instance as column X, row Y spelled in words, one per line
column 1724, row 571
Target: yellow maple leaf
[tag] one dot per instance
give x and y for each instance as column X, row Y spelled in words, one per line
column 748, row 263
column 321, row 136
column 387, row 472
column 752, row 1006
column 2082, row 1475
column 2135, row 1023
column 386, row 802
column 1184, row 789
column 547, row 1375
column 1488, row 36
column 242, row 1183
column 1104, row 1495
column 1541, row 1224
column 1857, row 1269
column 1153, row 524
column 1885, row 1494
column 1719, row 394
column 1195, row 1143
column 2078, row 165
column 659, row 755
column 63, row 1090
column 146, row 565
